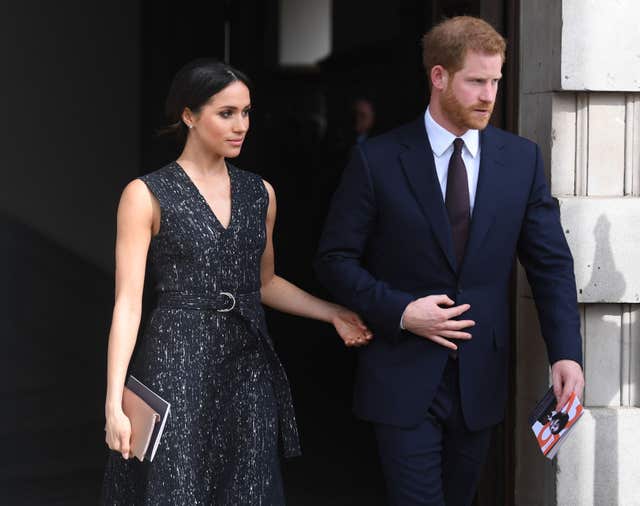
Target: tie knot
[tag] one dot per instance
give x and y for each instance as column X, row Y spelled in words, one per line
column 457, row 145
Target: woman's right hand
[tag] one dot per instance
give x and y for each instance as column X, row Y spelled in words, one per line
column 118, row 432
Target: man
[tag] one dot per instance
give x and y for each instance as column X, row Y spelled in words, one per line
column 364, row 117
column 420, row 240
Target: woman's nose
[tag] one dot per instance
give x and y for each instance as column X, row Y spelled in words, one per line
column 241, row 124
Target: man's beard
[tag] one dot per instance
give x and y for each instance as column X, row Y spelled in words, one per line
column 464, row 117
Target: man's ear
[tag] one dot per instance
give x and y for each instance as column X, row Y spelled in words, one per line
column 439, row 77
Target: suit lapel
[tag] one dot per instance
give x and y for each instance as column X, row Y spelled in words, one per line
column 487, row 192
column 419, row 168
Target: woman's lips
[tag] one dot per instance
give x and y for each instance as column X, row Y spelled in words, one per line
column 235, row 142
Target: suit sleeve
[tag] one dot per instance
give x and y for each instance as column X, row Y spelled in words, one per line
column 339, row 263
column 547, row 260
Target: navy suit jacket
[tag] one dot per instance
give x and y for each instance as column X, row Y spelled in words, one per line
column 387, row 242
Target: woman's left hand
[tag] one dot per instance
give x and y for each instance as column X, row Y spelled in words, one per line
column 351, row 328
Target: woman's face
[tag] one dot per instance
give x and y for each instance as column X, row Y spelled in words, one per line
column 222, row 123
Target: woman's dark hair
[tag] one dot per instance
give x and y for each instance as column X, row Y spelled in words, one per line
column 193, row 86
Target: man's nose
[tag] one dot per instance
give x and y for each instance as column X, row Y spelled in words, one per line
column 488, row 93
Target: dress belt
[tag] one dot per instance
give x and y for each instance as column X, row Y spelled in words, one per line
column 222, row 302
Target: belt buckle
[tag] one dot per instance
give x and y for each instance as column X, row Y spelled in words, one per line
column 233, row 302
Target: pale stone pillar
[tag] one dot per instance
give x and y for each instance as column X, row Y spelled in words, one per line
column 580, row 100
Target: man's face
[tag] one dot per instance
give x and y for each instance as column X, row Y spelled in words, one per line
column 364, row 116
column 470, row 94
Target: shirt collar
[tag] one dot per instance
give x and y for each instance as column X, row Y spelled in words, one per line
column 440, row 138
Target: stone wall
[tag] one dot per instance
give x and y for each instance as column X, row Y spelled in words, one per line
column 580, row 100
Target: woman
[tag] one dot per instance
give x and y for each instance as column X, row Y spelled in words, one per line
column 207, row 227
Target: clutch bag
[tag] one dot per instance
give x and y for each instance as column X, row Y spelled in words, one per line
column 148, row 413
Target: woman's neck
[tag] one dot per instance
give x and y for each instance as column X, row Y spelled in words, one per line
column 201, row 162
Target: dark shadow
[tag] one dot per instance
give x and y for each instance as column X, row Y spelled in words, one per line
column 605, row 279
column 54, row 312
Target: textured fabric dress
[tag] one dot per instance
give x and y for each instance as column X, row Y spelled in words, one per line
column 206, row 350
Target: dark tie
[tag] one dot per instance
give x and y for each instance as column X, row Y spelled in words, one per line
column 457, row 200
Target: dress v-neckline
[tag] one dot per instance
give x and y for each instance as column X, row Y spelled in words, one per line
column 203, row 200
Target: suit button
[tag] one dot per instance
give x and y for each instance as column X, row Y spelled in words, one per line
column 459, row 290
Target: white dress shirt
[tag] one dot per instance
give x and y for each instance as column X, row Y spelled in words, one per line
column 441, row 141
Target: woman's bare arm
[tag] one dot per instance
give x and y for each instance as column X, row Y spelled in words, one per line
column 138, row 218
column 282, row 295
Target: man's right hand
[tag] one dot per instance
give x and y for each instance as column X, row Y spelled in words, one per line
column 425, row 317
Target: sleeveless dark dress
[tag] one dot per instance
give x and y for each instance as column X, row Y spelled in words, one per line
column 206, row 350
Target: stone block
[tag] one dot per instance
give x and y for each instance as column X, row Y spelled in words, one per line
column 604, row 237
column 588, row 45
column 563, row 144
column 598, row 464
column 632, row 357
column 603, row 341
column 606, row 146
column 600, row 45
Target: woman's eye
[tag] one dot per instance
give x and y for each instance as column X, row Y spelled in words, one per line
column 246, row 112
column 226, row 114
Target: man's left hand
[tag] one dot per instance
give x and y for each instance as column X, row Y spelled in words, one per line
column 567, row 377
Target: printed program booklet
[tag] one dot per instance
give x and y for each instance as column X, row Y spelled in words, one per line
column 552, row 427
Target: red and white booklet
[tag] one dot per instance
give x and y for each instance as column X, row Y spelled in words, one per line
column 552, row 427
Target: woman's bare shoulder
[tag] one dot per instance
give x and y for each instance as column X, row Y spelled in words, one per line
column 136, row 197
column 270, row 190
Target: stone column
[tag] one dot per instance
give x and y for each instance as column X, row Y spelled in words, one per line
column 580, row 100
